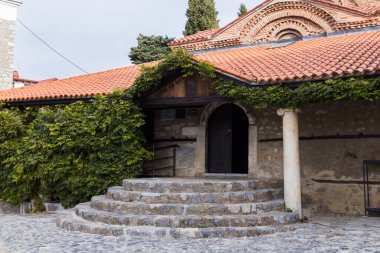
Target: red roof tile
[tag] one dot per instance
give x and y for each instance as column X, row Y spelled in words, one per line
column 75, row 87
column 197, row 37
column 355, row 54
column 17, row 78
column 315, row 59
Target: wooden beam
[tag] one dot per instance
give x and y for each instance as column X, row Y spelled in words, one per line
column 170, row 102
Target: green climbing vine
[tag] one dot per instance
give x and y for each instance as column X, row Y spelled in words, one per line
column 259, row 96
column 281, row 96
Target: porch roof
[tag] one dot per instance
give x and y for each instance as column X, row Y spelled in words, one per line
column 79, row 87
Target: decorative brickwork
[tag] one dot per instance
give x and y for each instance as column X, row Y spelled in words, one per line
column 279, row 20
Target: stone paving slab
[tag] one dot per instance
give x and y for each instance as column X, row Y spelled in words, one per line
column 38, row 233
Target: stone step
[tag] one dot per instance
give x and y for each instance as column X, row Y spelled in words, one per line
column 70, row 221
column 119, row 194
column 177, row 185
column 105, row 204
column 200, row 233
column 271, row 218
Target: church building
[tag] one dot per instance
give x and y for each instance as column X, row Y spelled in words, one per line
column 315, row 152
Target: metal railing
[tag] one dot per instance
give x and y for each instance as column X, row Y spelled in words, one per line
column 369, row 209
column 161, row 160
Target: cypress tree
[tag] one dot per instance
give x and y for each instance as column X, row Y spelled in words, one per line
column 201, row 15
column 242, row 10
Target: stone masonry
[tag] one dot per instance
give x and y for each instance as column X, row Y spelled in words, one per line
column 190, row 208
column 335, row 139
column 8, row 16
column 339, row 136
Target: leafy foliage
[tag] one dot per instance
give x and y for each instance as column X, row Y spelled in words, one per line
column 285, row 97
column 70, row 153
column 175, row 63
column 13, row 128
column 150, row 48
column 260, row 97
column 242, row 10
column 201, row 15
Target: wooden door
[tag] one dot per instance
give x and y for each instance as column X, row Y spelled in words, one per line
column 220, row 140
column 228, row 140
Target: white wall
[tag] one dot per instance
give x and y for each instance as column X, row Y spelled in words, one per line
column 8, row 9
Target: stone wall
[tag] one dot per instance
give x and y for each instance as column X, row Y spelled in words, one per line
column 8, row 17
column 28, row 207
column 7, row 28
column 335, row 139
column 166, row 129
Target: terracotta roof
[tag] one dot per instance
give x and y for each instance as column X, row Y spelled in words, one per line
column 22, row 80
column 315, row 59
column 17, row 78
column 197, row 37
column 76, row 87
column 320, row 58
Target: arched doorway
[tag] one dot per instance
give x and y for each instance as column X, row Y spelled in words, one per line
column 227, row 140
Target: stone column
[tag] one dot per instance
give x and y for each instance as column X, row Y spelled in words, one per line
column 292, row 171
column 252, row 151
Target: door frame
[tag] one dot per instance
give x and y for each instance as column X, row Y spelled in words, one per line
column 252, row 135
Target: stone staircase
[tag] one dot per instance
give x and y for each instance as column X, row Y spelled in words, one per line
column 195, row 208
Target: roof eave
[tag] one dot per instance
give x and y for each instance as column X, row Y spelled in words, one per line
column 53, row 101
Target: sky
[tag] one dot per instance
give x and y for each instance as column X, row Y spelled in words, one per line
column 97, row 35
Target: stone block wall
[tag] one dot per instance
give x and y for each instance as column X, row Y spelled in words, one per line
column 172, row 130
column 7, row 28
column 335, row 139
column 8, row 17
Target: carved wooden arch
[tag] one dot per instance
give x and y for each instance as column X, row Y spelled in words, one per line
column 211, row 107
column 285, row 10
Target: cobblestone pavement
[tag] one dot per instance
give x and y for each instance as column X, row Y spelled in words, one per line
column 38, row 233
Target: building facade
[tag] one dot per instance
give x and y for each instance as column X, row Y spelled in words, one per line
column 315, row 152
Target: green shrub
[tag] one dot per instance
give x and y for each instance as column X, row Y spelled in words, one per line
column 70, row 153
column 13, row 128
